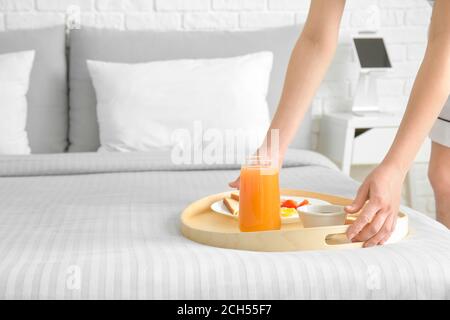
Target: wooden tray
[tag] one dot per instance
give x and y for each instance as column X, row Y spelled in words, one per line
column 199, row 223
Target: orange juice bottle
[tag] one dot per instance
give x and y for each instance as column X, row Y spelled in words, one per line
column 259, row 196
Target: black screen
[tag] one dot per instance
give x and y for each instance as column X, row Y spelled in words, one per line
column 372, row 53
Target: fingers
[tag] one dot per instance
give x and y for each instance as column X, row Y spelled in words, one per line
column 366, row 216
column 372, row 228
column 236, row 183
column 384, row 233
column 360, row 200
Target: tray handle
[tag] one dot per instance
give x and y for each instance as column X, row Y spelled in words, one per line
column 336, row 230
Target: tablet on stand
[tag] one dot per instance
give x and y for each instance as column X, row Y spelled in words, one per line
column 374, row 61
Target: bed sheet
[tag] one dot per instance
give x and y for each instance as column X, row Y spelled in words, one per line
column 106, row 226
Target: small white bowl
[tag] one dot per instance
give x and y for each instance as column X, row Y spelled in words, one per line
column 322, row 215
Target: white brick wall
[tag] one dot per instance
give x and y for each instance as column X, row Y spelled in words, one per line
column 108, row 20
column 16, row 5
column 182, row 5
column 256, row 20
column 29, row 20
column 239, row 5
column 124, row 5
column 61, row 5
column 415, row 17
column 211, row 21
column 156, row 21
column 403, row 23
column 288, row 5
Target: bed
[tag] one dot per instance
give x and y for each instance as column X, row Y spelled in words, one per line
column 106, row 226
column 90, row 225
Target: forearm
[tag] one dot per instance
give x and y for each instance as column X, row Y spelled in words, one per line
column 308, row 65
column 429, row 93
column 309, row 62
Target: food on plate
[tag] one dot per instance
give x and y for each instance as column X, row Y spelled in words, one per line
column 286, row 203
column 303, row 203
column 232, row 205
column 288, row 212
column 289, row 203
column 288, row 206
column 235, row 196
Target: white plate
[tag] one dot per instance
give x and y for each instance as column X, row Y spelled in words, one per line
column 219, row 207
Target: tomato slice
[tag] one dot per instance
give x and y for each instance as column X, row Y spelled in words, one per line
column 303, row 203
column 289, row 204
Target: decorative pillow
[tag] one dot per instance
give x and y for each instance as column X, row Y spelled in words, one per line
column 47, row 98
column 141, row 106
column 15, row 71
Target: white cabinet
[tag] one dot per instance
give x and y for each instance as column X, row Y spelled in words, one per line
column 353, row 140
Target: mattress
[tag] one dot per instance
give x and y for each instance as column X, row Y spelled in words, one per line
column 106, row 226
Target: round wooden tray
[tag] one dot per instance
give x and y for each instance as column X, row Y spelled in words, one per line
column 199, row 223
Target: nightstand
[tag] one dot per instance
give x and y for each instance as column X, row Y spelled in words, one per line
column 349, row 140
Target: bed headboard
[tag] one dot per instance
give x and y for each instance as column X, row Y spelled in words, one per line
column 144, row 46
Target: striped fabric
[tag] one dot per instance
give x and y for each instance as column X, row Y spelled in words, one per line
column 85, row 233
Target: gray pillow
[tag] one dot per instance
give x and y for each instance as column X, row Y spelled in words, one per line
column 142, row 46
column 47, row 118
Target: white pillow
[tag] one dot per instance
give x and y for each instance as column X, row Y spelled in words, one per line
column 139, row 106
column 15, row 69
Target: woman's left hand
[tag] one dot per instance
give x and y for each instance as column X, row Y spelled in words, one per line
column 378, row 199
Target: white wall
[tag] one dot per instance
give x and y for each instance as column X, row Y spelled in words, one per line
column 404, row 25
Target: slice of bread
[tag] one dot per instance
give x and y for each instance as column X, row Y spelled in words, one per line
column 235, row 195
column 232, row 205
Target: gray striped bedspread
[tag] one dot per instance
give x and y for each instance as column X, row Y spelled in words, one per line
column 106, row 226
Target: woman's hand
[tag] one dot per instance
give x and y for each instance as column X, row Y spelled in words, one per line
column 236, row 183
column 379, row 198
